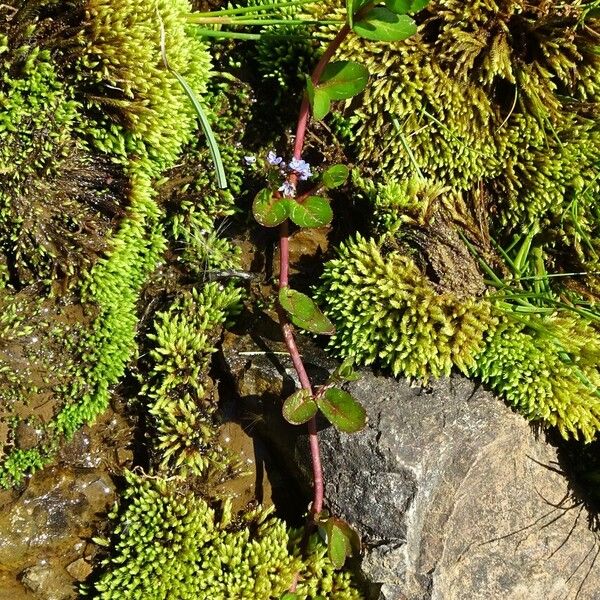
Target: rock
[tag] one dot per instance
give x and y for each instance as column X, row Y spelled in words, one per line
column 46, row 525
column 79, row 569
column 452, row 493
column 41, row 579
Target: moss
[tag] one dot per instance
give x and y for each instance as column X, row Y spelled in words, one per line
column 552, row 180
column 143, row 110
column 18, row 463
column 91, row 118
column 548, row 370
column 501, row 95
column 197, row 214
column 47, row 185
column 178, row 389
column 169, row 543
column 284, row 54
column 400, row 205
column 114, row 285
column 413, row 106
column 386, row 311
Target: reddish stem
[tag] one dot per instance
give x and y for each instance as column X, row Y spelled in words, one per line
column 284, row 268
column 315, row 77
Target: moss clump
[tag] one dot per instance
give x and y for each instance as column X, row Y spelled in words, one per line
column 169, row 543
column 178, row 388
column 49, row 190
column 512, row 152
column 502, row 95
column 414, row 113
column 197, row 214
column 114, row 285
column 552, row 181
column 142, row 110
column 399, row 206
column 548, row 370
column 386, row 311
column 284, row 54
column 91, row 117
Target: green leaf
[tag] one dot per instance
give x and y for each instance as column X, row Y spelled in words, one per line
column 401, row 7
column 268, row 210
column 382, row 24
column 322, row 105
column 342, row 410
column 340, row 80
column 337, row 546
column 312, row 212
column 343, row 79
column 290, row 596
column 335, row 176
column 299, row 407
column 304, row 312
column 319, row 101
column 342, row 541
column 352, row 7
column 346, row 370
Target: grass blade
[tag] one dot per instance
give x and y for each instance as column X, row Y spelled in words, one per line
column 213, row 145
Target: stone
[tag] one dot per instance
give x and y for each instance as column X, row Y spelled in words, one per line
column 46, row 524
column 42, row 580
column 453, row 494
column 79, row 569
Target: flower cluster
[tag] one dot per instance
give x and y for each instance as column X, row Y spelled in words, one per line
column 275, row 160
column 301, row 168
column 288, row 189
column 298, row 167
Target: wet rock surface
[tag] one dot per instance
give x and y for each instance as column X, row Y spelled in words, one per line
column 454, row 495
column 46, row 525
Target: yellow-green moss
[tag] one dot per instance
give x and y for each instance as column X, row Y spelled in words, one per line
column 547, row 369
column 142, row 110
column 90, row 118
column 178, row 389
column 169, row 543
column 387, row 312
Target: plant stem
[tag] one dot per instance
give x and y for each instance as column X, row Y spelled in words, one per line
column 284, row 267
column 316, row 75
column 249, row 9
column 244, row 21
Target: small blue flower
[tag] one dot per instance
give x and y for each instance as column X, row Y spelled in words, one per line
column 301, row 168
column 250, row 160
column 273, row 159
column 288, row 189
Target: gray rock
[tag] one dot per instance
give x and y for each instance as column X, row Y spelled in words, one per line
column 453, row 494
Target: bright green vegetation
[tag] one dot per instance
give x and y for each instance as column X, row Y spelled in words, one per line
column 91, row 118
column 548, row 370
column 385, row 310
column 169, row 543
column 122, row 60
column 478, row 141
column 178, row 387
